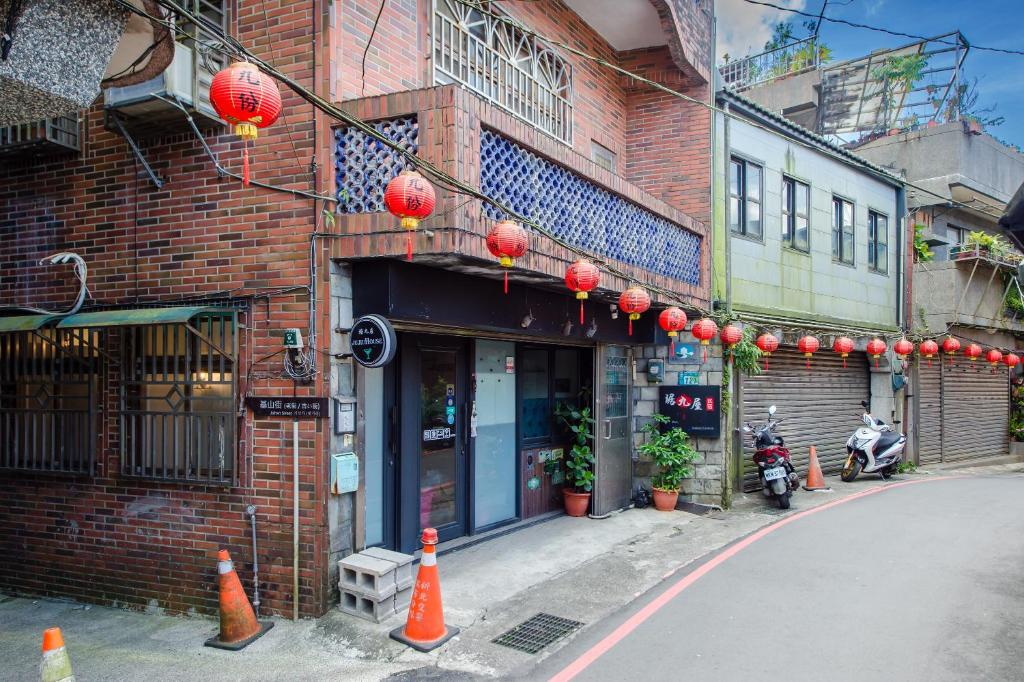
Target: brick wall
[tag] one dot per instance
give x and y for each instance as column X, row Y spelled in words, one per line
column 112, row 539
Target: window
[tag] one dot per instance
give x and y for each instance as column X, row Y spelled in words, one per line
column 795, row 211
column 503, row 64
column 745, row 181
column 548, row 378
column 878, row 242
column 842, row 230
column 602, row 156
column 956, row 235
column 49, row 392
column 178, row 400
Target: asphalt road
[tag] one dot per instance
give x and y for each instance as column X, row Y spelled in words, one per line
column 917, row 582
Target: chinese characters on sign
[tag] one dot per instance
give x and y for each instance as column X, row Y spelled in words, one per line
column 292, row 408
column 695, row 409
column 373, row 341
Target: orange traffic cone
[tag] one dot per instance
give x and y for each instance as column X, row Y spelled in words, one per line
column 424, row 629
column 238, row 624
column 56, row 664
column 815, row 481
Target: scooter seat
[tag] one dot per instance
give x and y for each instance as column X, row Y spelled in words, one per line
column 886, row 441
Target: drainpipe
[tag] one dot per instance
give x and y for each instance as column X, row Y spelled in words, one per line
column 295, row 519
column 251, row 511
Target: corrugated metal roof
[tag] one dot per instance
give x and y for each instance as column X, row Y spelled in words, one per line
column 138, row 316
column 752, row 107
column 24, row 323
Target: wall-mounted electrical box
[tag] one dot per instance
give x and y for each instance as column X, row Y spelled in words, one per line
column 656, row 371
column 344, row 415
column 344, row 473
column 293, row 338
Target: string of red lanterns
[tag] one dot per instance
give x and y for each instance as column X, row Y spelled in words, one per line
column 875, row 349
column 581, row 277
column 767, row 344
column 730, row 336
column 928, row 349
column 903, row 348
column 410, row 197
column 950, row 346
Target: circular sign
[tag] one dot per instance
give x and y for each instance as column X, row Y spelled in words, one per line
column 373, row 341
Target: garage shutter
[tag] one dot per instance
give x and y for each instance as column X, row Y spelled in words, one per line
column 929, row 415
column 976, row 405
column 820, row 406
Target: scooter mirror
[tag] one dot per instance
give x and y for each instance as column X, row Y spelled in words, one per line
column 771, row 411
column 747, row 428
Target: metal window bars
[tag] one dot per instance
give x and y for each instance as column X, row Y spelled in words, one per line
column 49, row 392
column 178, row 387
column 504, row 65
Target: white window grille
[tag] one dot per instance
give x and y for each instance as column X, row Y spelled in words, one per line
column 505, row 65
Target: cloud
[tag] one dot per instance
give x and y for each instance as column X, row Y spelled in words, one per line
column 744, row 28
column 874, row 7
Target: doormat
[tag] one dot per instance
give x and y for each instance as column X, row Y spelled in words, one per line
column 537, row 632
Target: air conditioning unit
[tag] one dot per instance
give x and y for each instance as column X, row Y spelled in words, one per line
column 187, row 81
column 57, row 135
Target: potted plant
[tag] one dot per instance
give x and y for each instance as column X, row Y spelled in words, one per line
column 672, row 453
column 579, row 462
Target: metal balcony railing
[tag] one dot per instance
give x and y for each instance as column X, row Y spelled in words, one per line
column 767, row 66
column 998, row 256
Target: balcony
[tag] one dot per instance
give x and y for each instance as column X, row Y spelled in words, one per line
column 59, row 135
column 974, row 289
column 795, row 58
column 522, row 167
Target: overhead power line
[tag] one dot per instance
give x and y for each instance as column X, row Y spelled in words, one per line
column 879, row 29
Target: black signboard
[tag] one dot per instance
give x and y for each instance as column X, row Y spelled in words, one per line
column 695, row 409
column 290, row 408
column 373, row 341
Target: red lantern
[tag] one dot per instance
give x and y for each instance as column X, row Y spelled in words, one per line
column 808, row 345
column 994, row 357
column 634, row 300
column 581, row 277
column 673, row 321
column 875, row 349
column 247, row 99
column 928, row 349
column 730, row 336
column 410, row 197
column 507, row 241
column 973, row 352
column 1011, row 360
column 903, row 348
column 768, row 345
column 704, row 330
column 950, row 346
column 844, row 346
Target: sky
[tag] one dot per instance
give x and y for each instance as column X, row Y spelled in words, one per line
column 743, row 28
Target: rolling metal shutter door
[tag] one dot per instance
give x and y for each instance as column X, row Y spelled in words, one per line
column 820, row 406
column 976, row 402
column 929, row 405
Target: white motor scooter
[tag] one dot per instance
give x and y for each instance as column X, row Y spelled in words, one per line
column 873, row 448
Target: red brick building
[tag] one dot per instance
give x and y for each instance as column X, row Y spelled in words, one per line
column 131, row 453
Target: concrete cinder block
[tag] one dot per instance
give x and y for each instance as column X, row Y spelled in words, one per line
column 361, row 606
column 403, row 564
column 367, row 576
column 402, row 599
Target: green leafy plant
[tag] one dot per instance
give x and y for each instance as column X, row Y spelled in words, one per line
column 898, row 74
column 1017, row 424
column 670, row 450
column 994, row 245
column 579, row 463
column 906, row 467
column 922, row 253
column 746, row 356
column 963, row 106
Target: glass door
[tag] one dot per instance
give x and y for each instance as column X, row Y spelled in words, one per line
column 434, row 438
column 613, row 466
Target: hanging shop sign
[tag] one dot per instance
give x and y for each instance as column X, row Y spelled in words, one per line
column 373, row 341
column 695, row 409
column 290, row 408
column 686, row 352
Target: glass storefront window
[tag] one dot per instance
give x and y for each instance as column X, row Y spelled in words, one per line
column 535, row 420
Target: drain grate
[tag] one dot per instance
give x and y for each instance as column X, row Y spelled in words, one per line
column 537, row 632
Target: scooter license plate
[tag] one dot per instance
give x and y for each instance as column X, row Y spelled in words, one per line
column 772, row 474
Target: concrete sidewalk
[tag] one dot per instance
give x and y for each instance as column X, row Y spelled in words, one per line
column 582, row 569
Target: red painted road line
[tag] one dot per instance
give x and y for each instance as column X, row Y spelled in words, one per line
column 617, row 635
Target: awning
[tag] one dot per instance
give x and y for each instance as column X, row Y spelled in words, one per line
column 24, row 323
column 137, row 316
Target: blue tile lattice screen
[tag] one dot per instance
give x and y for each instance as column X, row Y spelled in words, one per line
column 364, row 166
column 584, row 214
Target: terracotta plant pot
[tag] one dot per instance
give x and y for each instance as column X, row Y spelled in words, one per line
column 576, row 503
column 665, row 500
